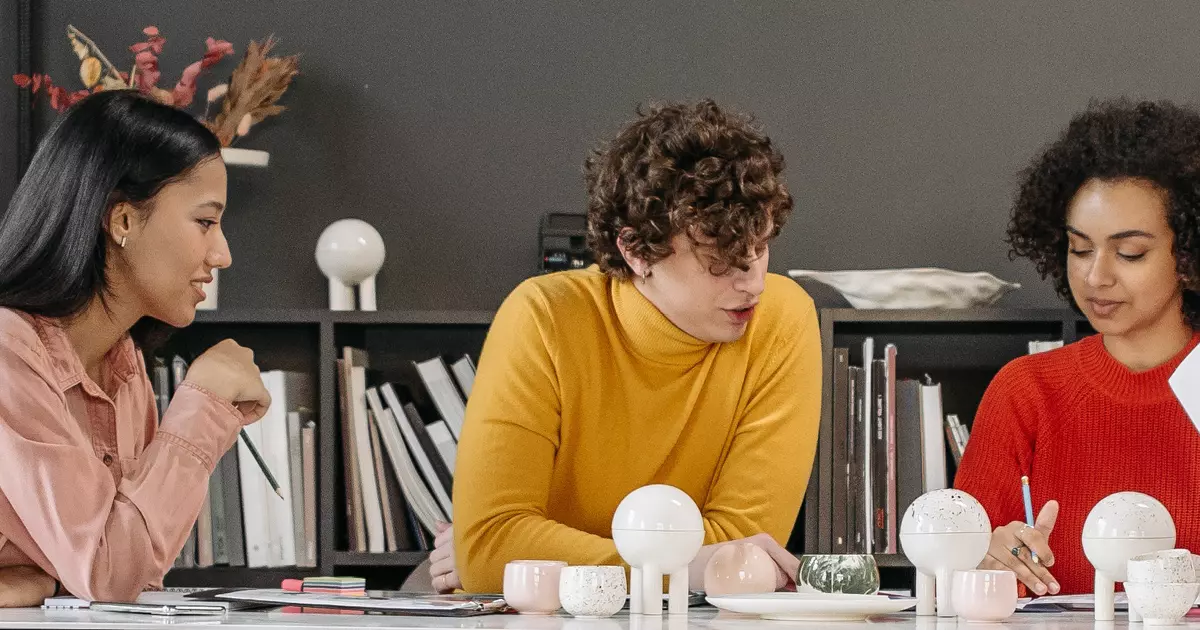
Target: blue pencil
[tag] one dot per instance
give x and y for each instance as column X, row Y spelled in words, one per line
column 1028, row 510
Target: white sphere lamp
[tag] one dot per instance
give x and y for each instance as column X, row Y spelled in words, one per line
column 658, row 530
column 1121, row 526
column 350, row 253
column 943, row 531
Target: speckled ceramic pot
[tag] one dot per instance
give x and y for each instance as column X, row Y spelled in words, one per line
column 1161, row 604
column 856, row 574
column 592, row 591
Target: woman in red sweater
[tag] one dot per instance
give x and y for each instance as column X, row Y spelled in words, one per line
column 1111, row 212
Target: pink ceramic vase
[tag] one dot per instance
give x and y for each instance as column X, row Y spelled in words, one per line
column 740, row 568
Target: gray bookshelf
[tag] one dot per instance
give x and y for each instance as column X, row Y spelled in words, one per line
column 961, row 349
column 310, row 340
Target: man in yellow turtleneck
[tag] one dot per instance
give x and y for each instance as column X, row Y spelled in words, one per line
column 677, row 359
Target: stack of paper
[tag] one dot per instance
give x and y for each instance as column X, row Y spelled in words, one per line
column 348, row 586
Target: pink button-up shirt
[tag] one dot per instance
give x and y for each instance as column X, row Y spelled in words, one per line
column 93, row 489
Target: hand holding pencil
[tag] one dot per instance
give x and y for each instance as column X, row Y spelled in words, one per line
column 1024, row 547
column 229, row 372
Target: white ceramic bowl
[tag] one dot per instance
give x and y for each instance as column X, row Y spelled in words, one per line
column 1172, row 566
column 982, row 595
column 592, row 592
column 1162, row 604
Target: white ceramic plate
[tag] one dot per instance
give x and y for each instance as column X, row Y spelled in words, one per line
column 812, row 606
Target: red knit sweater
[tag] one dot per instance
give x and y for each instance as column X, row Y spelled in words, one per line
column 1082, row 426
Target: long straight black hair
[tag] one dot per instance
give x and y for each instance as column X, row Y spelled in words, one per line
column 112, row 147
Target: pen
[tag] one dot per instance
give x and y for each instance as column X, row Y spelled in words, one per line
column 261, row 464
column 1028, row 510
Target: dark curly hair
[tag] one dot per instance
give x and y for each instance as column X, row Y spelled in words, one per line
column 1113, row 140
column 692, row 169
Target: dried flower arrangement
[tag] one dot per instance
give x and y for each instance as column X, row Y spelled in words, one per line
column 250, row 95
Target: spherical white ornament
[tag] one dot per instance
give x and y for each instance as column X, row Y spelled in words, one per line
column 943, row 531
column 946, row 511
column 1129, row 515
column 1119, row 527
column 658, row 525
column 350, row 251
column 657, row 530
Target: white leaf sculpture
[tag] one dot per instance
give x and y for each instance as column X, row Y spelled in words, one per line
column 920, row 288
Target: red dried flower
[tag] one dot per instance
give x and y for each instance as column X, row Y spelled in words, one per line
column 147, row 74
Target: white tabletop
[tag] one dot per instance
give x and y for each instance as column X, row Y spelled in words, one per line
column 698, row 619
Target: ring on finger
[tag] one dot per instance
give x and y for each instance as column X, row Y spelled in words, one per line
column 1016, row 552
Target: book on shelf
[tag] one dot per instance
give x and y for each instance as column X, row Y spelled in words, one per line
column 956, row 437
column 399, row 438
column 242, row 522
column 888, row 448
column 1044, row 346
column 401, row 470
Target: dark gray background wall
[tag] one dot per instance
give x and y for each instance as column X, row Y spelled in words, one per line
column 452, row 127
column 8, row 101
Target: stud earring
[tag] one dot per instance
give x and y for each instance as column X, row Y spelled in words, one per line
column 123, row 241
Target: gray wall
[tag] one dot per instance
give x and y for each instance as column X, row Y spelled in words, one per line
column 8, row 100
column 452, row 126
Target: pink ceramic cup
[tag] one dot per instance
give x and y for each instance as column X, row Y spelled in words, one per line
column 531, row 586
column 980, row 595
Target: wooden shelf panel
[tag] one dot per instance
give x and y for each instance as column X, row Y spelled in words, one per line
column 466, row 318
column 318, row 316
column 394, row 559
column 259, row 316
column 949, row 315
column 223, row 576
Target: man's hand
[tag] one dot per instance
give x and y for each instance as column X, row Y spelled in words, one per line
column 442, row 572
column 787, row 565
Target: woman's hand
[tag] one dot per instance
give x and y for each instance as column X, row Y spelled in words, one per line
column 24, row 586
column 1011, row 546
column 228, row 370
column 442, row 573
column 787, row 565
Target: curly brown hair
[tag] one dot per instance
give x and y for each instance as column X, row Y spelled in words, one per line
column 1158, row 142
column 695, row 169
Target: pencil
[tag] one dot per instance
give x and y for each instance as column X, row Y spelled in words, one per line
column 261, row 464
column 1028, row 510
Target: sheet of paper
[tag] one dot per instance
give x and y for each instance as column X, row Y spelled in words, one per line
column 1185, row 382
column 422, row 604
column 168, row 597
column 1075, row 602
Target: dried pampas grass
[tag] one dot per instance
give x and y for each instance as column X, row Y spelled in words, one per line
column 255, row 86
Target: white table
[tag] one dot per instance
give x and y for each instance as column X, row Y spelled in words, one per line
column 698, row 619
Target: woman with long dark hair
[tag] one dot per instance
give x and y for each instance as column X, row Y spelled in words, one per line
column 112, row 233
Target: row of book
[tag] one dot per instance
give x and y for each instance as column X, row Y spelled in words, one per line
column 399, row 443
column 874, row 416
column 890, row 439
column 243, row 521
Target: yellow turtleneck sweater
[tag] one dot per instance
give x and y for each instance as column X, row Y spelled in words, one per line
column 585, row 391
